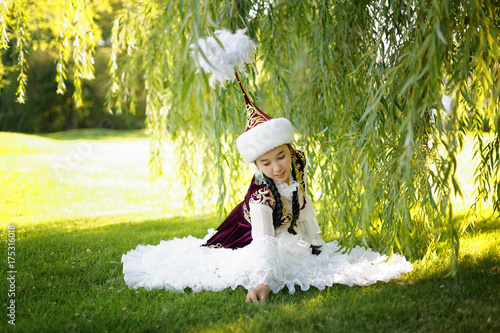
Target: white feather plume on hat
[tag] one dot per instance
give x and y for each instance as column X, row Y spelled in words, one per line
column 222, row 54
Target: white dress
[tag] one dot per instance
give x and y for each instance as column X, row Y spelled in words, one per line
column 274, row 257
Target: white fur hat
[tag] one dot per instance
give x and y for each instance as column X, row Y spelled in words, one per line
column 257, row 141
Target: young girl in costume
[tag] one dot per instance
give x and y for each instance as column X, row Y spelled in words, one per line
column 272, row 238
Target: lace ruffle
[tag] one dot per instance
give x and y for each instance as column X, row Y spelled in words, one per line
column 287, row 190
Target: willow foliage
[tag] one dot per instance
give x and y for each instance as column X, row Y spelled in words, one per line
column 68, row 27
column 363, row 83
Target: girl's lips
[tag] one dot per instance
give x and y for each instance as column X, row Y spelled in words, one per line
column 281, row 175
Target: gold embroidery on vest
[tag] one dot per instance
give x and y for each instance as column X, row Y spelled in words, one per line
column 299, row 173
column 263, row 196
column 246, row 214
column 287, row 216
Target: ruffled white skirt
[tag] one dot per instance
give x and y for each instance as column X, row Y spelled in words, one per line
column 284, row 260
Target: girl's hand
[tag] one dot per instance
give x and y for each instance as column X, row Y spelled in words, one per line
column 258, row 295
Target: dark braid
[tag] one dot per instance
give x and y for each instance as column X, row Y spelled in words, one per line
column 278, row 210
column 295, row 206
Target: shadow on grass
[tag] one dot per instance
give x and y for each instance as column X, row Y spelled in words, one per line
column 488, row 223
column 136, row 223
column 106, row 237
column 70, row 279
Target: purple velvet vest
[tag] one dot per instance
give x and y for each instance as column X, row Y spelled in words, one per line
column 236, row 230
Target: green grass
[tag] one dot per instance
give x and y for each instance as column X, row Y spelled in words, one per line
column 81, row 199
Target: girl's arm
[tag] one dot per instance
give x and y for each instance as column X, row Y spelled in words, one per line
column 265, row 252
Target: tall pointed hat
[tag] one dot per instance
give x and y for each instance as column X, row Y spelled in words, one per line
column 223, row 56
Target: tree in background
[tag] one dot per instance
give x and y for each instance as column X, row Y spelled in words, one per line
column 58, row 53
column 363, row 82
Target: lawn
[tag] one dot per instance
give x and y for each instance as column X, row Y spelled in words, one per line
column 80, row 199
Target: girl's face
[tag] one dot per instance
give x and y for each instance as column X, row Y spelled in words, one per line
column 276, row 164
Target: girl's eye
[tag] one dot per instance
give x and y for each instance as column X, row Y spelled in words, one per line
column 281, row 157
column 265, row 164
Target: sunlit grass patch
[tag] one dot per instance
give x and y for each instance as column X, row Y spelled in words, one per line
column 22, row 144
column 48, row 179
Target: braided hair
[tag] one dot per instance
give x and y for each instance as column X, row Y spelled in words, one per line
column 278, row 209
column 295, row 206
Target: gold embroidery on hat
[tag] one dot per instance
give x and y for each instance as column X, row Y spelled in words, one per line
column 254, row 117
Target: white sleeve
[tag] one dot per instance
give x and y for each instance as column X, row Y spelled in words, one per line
column 262, row 220
column 264, row 265
column 308, row 226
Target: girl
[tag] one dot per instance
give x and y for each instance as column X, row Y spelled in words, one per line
column 271, row 239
